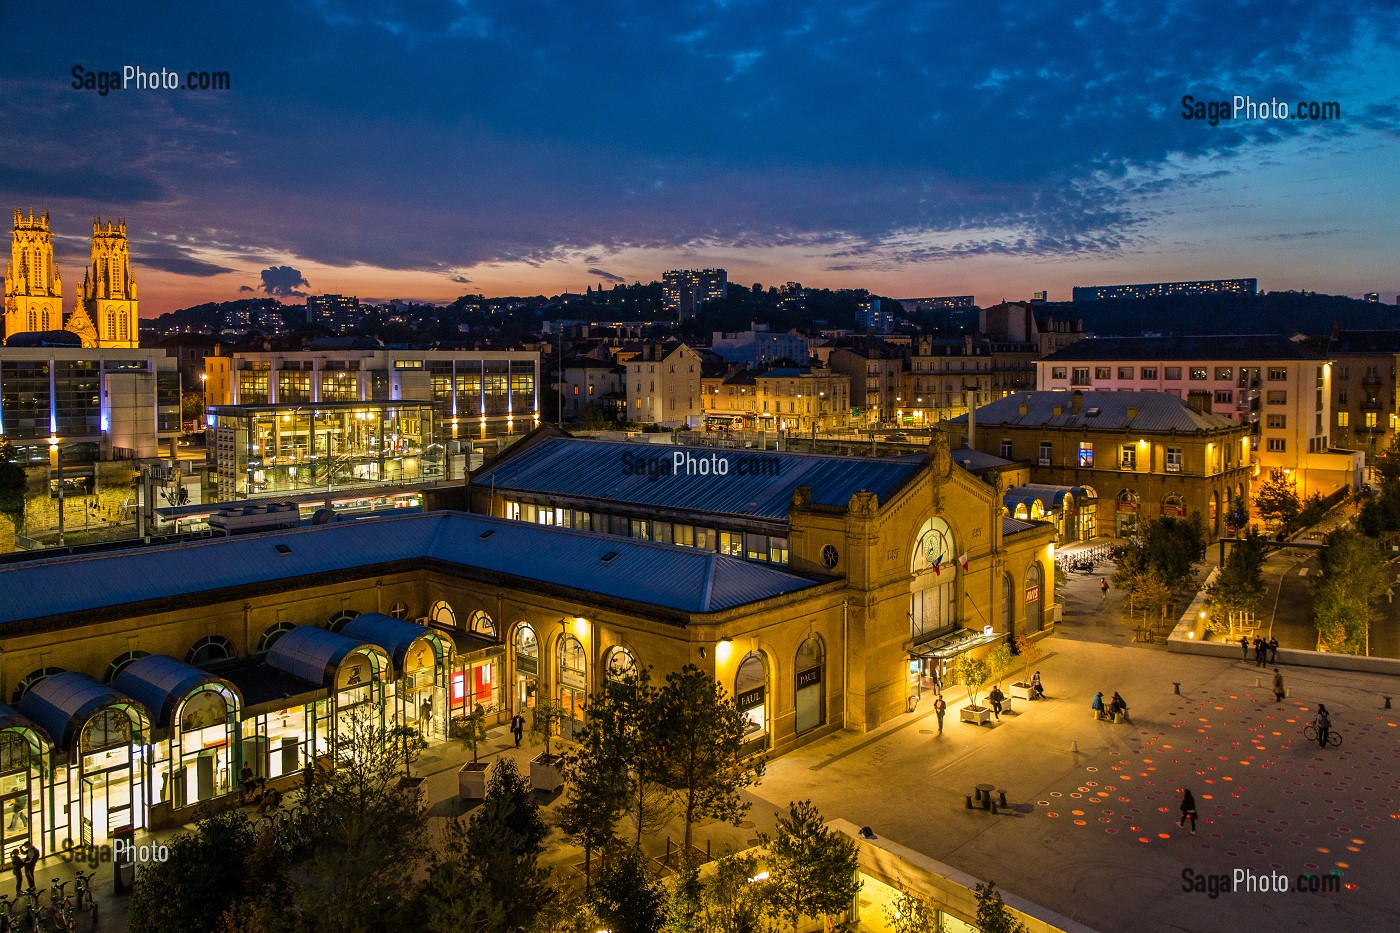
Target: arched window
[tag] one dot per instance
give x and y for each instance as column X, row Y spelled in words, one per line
column 527, row 666
column 1173, row 506
column 1214, row 511
column 120, row 662
column 1035, row 598
column 1126, row 513
column 619, row 664
column 573, row 682
column 933, row 566
column 399, row 610
column 480, row 623
column 338, row 620
column 442, row 614
column 16, row 754
column 109, row 728
column 269, row 637
column 32, row 678
column 810, row 682
column 1008, row 604
column 210, row 648
column 751, row 696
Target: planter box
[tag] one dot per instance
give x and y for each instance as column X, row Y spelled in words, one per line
column 546, row 776
column 1020, row 690
column 471, row 782
column 976, row 714
column 412, row 787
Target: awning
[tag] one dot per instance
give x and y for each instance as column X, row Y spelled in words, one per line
column 62, row 704
column 472, row 646
column 160, row 683
column 395, row 636
column 313, row 654
column 12, row 721
column 952, row 644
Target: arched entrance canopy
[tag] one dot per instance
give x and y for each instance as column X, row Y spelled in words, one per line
column 161, row 684
column 316, row 655
column 397, row 637
column 63, row 704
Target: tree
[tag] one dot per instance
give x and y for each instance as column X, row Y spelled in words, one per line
column 207, row 871
column 13, row 485
column 993, row 916
column 733, row 901
column 471, row 730
column 699, row 739
column 911, row 914
column 1167, row 549
column 626, row 897
column 812, row 869
column 1387, row 463
column 1237, row 516
column 998, row 662
column 1029, row 650
column 544, row 719
column 485, row 876
column 1314, row 510
column 369, row 834
column 599, row 769
column 1352, row 579
column 1240, row 585
column 972, row 672
column 1276, row 499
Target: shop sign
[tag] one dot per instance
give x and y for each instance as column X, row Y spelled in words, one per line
column 808, row 678
column 1032, row 594
column 749, row 699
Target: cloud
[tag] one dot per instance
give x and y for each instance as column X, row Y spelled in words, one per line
column 606, row 276
column 461, row 280
column 283, row 282
column 169, row 257
column 246, row 288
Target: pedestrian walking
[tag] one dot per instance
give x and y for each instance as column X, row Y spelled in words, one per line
column 1188, row 810
column 1278, row 686
column 1273, row 650
column 996, row 697
column 517, row 727
column 1244, row 645
column 17, row 869
column 31, row 858
column 939, row 708
column 1037, row 691
column 1260, row 652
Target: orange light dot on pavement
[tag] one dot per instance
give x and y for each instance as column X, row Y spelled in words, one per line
column 1164, row 835
column 1143, row 839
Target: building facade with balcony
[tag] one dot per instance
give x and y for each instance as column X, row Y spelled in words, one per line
column 1141, row 455
column 1279, row 388
column 875, row 373
column 663, row 385
column 1364, row 389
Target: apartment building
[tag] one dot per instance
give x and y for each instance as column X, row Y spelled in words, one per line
column 874, row 373
column 1279, row 388
column 663, row 385
column 1364, row 413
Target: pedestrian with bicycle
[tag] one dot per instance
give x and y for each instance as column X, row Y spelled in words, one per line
column 1324, row 725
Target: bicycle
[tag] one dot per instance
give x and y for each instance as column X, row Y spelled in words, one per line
column 63, row 917
column 8, row 922
column 1310, row 733
column 83, row 896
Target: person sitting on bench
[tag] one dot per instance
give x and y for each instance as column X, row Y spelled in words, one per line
column 1097, row 705
column 1119, row 708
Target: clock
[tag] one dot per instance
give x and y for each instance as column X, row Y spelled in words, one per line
column 830, row 556
column 933, row 547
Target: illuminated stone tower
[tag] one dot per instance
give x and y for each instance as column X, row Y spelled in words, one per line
column 33, row 289
column 108, row 297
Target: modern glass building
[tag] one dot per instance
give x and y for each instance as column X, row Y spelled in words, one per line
column 291, row 448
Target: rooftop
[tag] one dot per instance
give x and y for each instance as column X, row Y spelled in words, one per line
column 1226, row 347
column 758, row 484
column 671, row 577
column 1365, row 341
column 1105, row 411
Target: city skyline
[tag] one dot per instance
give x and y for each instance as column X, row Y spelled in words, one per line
column 482, row 148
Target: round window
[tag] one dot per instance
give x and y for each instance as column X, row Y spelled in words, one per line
column 830, row 556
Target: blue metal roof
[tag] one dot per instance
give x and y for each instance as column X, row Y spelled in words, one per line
column 311, row 653
column 61, row 704
column 395, row 636
column 10, row 718
column 159, row 683
column 678, row 578
column 756, row 483
column 1107, row 411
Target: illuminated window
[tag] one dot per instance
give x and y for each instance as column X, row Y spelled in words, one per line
column 1086, row 454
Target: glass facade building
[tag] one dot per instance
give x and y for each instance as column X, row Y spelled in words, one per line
column 289, row 448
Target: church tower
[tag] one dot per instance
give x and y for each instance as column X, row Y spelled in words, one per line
column 33, row 289
column 108, row 296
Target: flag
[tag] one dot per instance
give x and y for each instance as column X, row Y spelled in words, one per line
column 963, row 560
column 937, row 565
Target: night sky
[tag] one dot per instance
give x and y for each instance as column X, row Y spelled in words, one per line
column 425, row 150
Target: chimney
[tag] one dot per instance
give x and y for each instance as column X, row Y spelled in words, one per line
column 1024, row 410
column 1059, row 410
column 1076, row 402
column 1132, row 413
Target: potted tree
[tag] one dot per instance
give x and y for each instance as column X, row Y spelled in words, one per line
column 545, row 771
column 471, row 732
column 973, row 673
column 998, row 662
column 1029, row 652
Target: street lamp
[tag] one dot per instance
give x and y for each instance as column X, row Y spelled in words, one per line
column 57, row 449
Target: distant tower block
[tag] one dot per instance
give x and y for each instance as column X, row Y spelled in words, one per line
column 109, row 291
column 33, row 289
